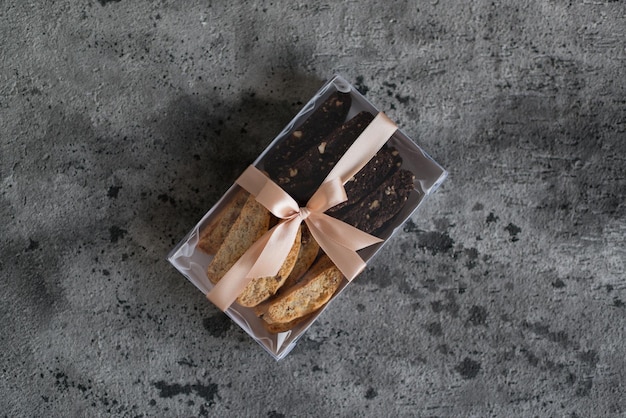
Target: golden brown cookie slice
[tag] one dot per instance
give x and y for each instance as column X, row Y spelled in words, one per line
column 262, row 288
column 282, row 327
column 308, row 295
column 307, row 255
column 252, row 222
column 309, row 250
column 214, row 233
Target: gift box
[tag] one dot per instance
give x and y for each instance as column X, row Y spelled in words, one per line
column 307, row 216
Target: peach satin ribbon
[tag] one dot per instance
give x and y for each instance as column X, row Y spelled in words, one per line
column 339, row 240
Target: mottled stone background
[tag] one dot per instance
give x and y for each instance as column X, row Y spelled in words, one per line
column 122, row 122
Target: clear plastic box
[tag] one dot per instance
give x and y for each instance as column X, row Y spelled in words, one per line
column 193, row 263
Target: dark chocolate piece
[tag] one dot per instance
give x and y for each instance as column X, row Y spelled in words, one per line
column 386, row 162
column 381, row 204
column 302, row 177
column 317, row 126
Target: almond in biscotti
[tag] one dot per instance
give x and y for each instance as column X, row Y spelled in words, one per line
column 260, row 289
column 252, row 222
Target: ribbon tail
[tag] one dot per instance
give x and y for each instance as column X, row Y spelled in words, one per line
column 264, row 258
column 342, row 233
column 346, row 260
column 276, row 250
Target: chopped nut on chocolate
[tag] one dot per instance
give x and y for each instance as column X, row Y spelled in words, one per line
column 315, row 128
column 378, row 207
column 382, row 165
column 315, row 164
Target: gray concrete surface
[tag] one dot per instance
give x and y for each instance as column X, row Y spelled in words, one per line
column 122, row 122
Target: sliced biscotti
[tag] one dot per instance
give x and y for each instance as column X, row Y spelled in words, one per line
column 212, row 236
column 309, row 249
column 384, row 164
column 261, row 288
column 308, row 295
column 381, row 204
column 286, row 326
column 321, row 122
column 252, row 222
column 302, row 177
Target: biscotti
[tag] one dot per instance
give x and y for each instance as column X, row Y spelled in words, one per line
column 278, row 327
column 321, row 123
column 309, row 248
column 302, row 177
column 383, row 165
column 309, row 294
column 261, row 288
column 252, row 222
column 380, row 205
column 212, row 236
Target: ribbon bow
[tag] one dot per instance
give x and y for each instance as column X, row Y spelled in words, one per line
column 339, row 240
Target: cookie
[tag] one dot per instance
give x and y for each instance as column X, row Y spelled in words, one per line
column 302, row 177
column 309, row 249
column 385, row 163
column 250, row 225
column 380, row 205
column 307, row 295
column 261, row 288
column 214, row 234
column 317, row 126
column 285, row 326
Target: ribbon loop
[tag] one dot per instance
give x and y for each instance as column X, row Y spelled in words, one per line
column 339, row 240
